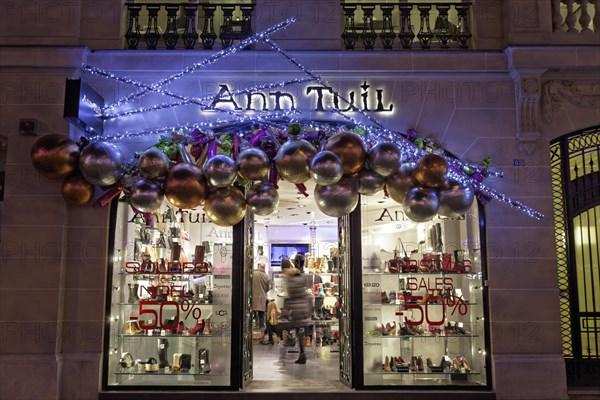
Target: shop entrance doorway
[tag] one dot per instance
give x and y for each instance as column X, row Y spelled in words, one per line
column 296, row 243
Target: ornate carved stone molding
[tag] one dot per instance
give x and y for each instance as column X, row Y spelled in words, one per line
column 528, row 92
column 583, row 94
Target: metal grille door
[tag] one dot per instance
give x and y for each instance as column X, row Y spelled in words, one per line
column 576, row 200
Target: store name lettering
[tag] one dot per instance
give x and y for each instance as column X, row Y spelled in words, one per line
column 399, row 215
column 321, row 98
column 193, row 218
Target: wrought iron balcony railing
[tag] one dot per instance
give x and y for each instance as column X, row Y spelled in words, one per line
column 171, row 21
column 413, row 21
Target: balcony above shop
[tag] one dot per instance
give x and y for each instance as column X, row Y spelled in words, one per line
column 156, row 24
column 335, row 25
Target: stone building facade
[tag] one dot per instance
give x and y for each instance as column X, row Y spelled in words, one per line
column 530, row 77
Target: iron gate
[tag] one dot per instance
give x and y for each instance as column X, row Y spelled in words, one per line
column 576, row 200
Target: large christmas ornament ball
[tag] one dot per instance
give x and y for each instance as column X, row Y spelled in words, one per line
column 153, row 163
column 262, row 198
column 338, row 199
column 292, row 160
column 225, row 206
column 326, row 168
column 220, row 171
column 384, row 158
column 420, row 204
column 253, row 164
column 455, row 199
column 76, row 191
column 185, row 186
column 350, row 148
column 400, row 182
column 101, row 163
column 369, row 182
column 146, row 195
column 54, row 156
column 431, row 170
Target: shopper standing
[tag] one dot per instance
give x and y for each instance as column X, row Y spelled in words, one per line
column 297, row 302
column 260, row 287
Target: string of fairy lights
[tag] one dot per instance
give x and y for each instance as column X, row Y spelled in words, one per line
column 243, row 121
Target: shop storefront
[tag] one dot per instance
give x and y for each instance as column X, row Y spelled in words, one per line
column 406, row 274
column 143, row 290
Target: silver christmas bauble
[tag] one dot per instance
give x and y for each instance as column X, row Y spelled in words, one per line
column 384, row 158
column 101, row 163
column 262, row 198
column 421, row 204
column 220, row 171
column 153, row 163
column 369, row 182
column 338, row 199
column 326, row 168
column 253, row 164
column 146, row 195
column 455, row 199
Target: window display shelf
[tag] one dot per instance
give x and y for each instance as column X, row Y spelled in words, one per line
column 400, row 274
column 166, row 373
column 172, row 336
column 425, row 336
column 148, row 275
column 377, row 305
column 423, row 373
column 159, row 303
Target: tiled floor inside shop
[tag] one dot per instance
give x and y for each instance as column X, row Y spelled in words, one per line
column 275, row 370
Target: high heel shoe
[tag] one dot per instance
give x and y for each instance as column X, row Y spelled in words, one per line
column 198, row 328
column 393, row 367
column 420, row 366
column 384, row 298
column 386, row 365
column 413, row 364
column 390, row 330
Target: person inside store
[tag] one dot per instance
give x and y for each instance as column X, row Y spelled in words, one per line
column 260, row 287
column 297, row 301
column 272, row 321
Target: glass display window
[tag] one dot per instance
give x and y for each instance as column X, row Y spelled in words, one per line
column 423, row 312
column 169, row 300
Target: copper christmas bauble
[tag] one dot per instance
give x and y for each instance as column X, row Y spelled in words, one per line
column 262, row 198
column 292, row 160
column 338, row 199
column 350, row 148
column 384, row 158
column 326, row 168
column 101, row 163
column 220, row 171
column 225, row 206
column 455, row 199
column 400, row 182
column 369, row 182
column 431, row 170
column 185, row 186
column 253, row 164
column 146, row 195
column 421, row 204
column 153, row 163
column 76, row 191
column 54, row 156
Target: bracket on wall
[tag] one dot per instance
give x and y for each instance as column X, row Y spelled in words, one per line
column 83, row 107
column 528, row 93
